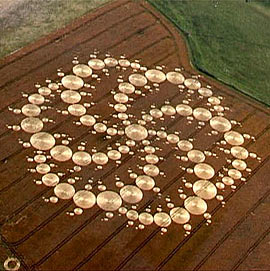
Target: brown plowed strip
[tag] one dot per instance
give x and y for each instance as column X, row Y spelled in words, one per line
column 42, row 237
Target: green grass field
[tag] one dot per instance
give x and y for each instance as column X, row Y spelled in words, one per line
column 228, row 39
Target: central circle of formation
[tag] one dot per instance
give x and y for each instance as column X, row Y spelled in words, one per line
column 75, row 90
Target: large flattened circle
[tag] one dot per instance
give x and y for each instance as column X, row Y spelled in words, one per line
column 42, row 141
column 136, row 132
column 109, row 201
column 84, row 199
column 72, row 82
